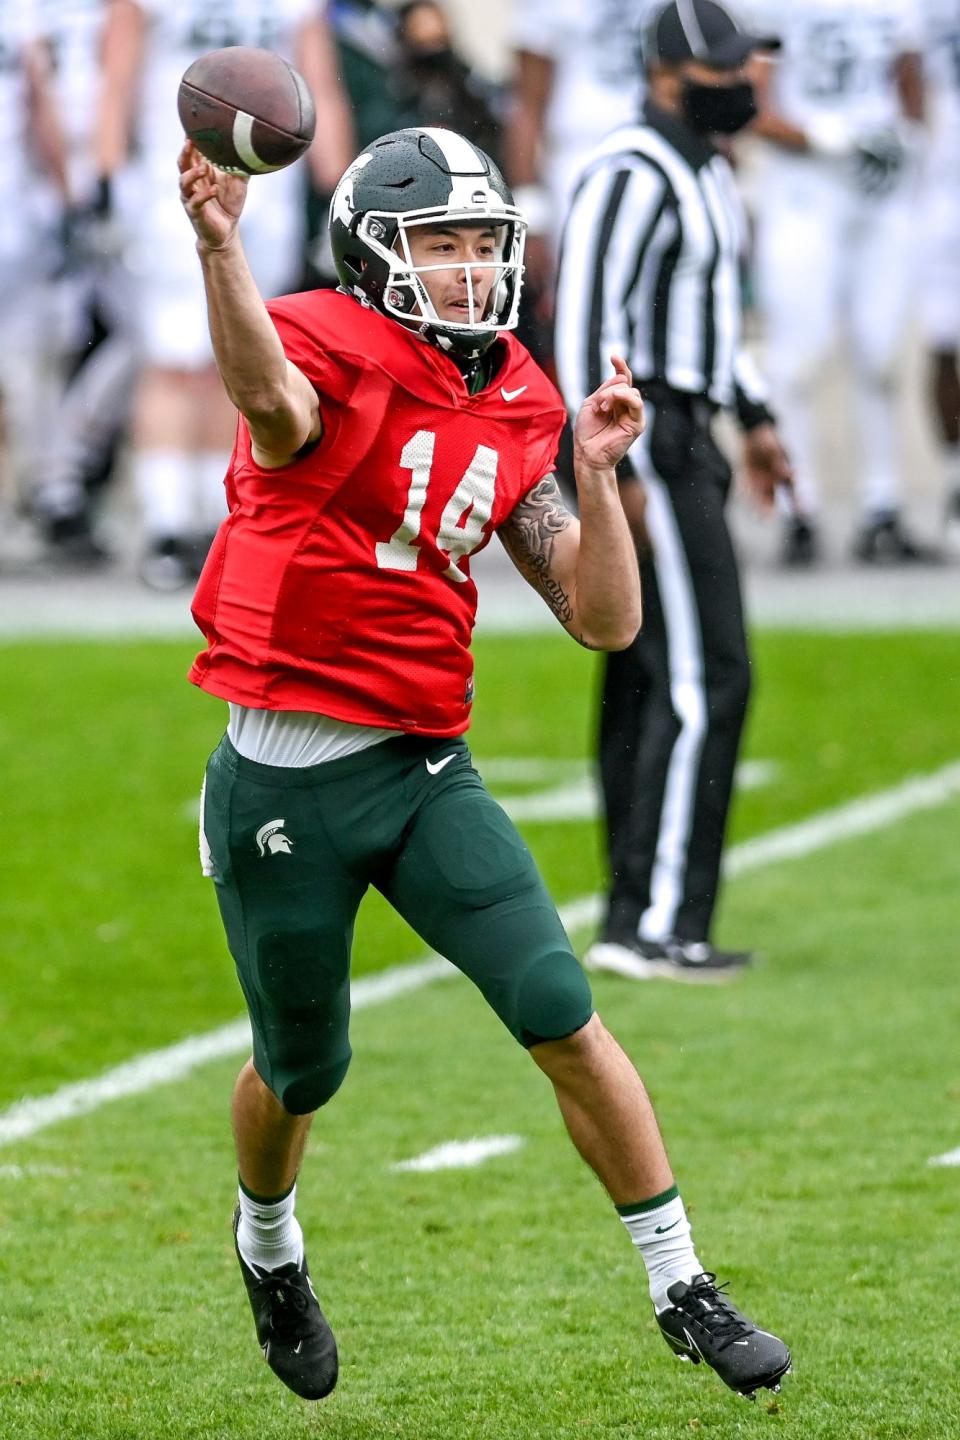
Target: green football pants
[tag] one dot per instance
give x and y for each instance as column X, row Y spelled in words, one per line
column 292, row 852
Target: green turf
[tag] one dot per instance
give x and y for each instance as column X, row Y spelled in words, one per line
column 801, row 1104
column 112, row 944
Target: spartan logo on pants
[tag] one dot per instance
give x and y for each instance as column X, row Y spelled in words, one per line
column 270, row 837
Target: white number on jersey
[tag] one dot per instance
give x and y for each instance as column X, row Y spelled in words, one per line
column 464, row 516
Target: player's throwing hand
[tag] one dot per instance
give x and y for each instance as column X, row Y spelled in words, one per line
column 609, row 420
column 212, row 199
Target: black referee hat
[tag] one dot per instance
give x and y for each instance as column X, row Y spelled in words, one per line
column 700, row 30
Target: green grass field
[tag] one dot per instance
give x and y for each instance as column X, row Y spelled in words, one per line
column 801, row 1105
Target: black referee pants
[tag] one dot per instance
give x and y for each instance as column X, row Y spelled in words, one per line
column 673, row 705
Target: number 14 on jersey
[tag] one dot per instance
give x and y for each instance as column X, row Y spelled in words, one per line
column 464, row 516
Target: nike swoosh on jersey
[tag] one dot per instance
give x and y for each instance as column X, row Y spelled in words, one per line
column 662, row 1229
column 512, row 394
column 435, row 769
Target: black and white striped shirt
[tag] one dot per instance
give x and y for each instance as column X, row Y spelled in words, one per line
column 650, row 269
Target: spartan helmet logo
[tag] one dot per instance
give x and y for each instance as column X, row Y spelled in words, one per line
column 270, row 837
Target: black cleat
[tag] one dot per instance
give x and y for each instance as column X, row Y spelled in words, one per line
column 701, row 1324
column 169, row 564
column 883, row 541
column 801, row 544
column 71, row 542
column 295, row 1338
column 696, row 961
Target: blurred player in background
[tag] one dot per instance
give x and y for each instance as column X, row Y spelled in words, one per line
column 838, row 239
column 31, row 143
column 434, row 81
column 577, row 77
column 940, row 271
column 93, row 340
column 183, row 423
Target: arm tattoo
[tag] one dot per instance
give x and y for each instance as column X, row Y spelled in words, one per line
column 528, row 534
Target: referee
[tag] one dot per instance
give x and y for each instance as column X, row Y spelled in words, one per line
column 650, row 269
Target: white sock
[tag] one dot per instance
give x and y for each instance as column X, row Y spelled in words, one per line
column 211, row 467
column 660, row 1230
column 164, row 485
column 269, row 1233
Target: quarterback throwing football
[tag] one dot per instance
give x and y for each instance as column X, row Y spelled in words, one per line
column 387, row 431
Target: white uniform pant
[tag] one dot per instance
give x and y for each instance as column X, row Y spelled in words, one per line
column 836, row 265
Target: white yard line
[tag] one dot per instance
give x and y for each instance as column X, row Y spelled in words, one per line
column 162, row 1067
column 952, row 1157
column 579, row 798
column 462, row 1154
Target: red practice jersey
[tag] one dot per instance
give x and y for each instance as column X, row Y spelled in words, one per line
column 341, row 583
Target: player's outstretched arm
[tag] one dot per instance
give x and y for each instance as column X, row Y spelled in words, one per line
column 586, row 569
column 275, row 397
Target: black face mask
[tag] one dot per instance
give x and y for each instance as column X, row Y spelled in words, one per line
column 432, row 62
column 718, row 109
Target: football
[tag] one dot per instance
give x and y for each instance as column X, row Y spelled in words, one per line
column 246, row 110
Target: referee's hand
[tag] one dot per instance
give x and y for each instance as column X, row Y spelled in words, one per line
column 766, row 464
column 609, row 420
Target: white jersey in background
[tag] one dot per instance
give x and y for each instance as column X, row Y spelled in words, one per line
column 178, row 32
column 838, row 58
column 182, row 30
column 17, row 28
column 597, row 77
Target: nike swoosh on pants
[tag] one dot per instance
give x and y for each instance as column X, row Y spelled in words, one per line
column 435, row 769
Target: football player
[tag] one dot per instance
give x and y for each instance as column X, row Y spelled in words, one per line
column 388, row 431
column 841, row 103
column 183, row 426
column 93, row 344
column 576, row 78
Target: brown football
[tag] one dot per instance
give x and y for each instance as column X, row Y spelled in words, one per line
column 246, row 110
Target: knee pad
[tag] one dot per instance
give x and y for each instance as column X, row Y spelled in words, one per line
column 314, row 1086
column 552, row 998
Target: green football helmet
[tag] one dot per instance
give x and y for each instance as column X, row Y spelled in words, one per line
column 426, row 177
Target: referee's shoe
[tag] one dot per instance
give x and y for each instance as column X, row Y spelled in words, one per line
column 695, row 961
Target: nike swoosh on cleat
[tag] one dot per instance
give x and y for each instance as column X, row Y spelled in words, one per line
column 662, row 1229
column 435, row 769
column 512, row 394
column 694, row 1347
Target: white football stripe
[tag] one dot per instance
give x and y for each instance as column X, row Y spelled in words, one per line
column 161, row 1067
column 459, row 153
column 462, row 1154
column 243, row 144
column 952, row 1157
column 580, row 799
column 29, row 1172
column 857, row 817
